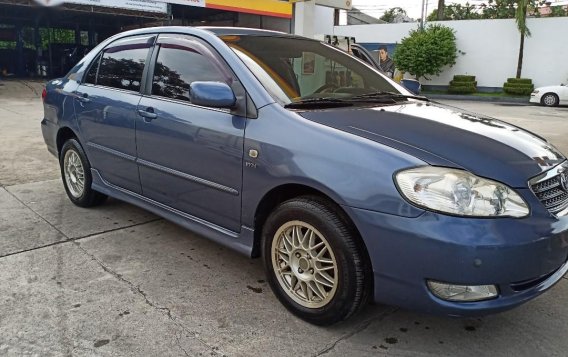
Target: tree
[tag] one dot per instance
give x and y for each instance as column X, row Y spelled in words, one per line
column 426, row 51
column 521, row 20
column 440, row 10
column 507, row 9
column 456, row 12
column 391, row 14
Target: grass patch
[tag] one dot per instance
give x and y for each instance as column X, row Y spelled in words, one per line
column 476, row 94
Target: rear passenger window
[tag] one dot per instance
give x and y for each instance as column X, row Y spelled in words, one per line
column 123, row 63
column 181, row 61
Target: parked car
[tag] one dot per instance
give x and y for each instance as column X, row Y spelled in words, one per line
column 550, row 96
column 285, row 148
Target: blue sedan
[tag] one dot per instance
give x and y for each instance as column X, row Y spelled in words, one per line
column 349, row 187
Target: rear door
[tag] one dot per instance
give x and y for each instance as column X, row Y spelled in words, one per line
column 191, row 157
column 106, row 108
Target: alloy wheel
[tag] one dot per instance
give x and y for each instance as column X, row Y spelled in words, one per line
column 304, row 264
column 74, row 173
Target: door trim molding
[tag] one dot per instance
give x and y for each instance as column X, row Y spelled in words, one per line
column 111, row 151
column 188, row 177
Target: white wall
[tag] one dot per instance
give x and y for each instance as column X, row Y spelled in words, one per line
column 491, row 48
column 311, row 19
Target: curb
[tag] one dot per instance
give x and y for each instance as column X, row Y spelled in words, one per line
column 474, row 98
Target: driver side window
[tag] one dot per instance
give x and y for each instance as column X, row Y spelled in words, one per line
column 182, row 60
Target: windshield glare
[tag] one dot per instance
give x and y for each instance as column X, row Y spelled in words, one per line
column 293, row 69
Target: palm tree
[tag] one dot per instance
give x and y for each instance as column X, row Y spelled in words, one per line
column 521, row 19
column 441, row 4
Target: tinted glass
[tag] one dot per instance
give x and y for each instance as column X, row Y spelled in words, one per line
column 293, row 69
column 91, row 76
column 123, row 63
column 181, row 61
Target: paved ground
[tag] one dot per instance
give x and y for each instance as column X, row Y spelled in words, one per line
column 117, row 281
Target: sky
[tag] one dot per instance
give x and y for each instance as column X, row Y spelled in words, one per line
column 413, row 7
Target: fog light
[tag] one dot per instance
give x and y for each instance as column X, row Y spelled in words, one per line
column 462, row 293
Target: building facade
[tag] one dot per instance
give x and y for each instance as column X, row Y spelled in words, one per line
column 45, row 38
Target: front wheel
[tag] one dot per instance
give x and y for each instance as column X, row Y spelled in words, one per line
column 315, row 263
column 550, row 100
column 76, row 174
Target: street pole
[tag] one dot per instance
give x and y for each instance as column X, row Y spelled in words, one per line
column 423, row 16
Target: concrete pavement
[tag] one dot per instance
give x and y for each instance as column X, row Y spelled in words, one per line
column 118, row 281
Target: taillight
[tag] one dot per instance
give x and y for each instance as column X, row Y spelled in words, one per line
column 43, row 94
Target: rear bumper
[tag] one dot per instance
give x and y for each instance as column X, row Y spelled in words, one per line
column 522, row 257
column 49, row 131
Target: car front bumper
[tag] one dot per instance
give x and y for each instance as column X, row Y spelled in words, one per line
column 522, row 257
column 535, row 98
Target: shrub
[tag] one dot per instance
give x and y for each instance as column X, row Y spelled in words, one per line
column 426, row 51
column 461, row 89
column 464, row 78
column 519, row 80
column 458, row 83
column 463, row 84
column 518, row 86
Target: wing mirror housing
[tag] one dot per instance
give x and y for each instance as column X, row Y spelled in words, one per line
column 212, row 94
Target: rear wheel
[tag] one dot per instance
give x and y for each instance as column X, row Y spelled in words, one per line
column 314, row 261
column 76, row 174
column 549, row 100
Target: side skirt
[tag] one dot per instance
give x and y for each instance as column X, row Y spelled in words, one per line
column 241, row 242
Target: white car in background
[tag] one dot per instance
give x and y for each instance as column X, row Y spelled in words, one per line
column 550, row 96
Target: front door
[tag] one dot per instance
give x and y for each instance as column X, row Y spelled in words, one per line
column 190, row 157
column 106, row 107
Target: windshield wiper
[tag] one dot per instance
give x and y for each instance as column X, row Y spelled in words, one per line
column 318, row 102
column 388, row 95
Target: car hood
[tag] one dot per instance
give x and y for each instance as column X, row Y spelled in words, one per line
column 446, row 136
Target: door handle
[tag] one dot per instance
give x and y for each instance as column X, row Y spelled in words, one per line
column 147, row 114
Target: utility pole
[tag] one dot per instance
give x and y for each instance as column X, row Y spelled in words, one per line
column 424, row 13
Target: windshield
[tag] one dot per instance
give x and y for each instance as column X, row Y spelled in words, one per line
column 295, row 70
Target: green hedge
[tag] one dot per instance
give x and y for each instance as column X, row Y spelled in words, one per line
column 459, row 84
column 461, row 89
column 518, row 91
column 464, row 78
column 518, row 85
column 519, row 80
column 463, row 84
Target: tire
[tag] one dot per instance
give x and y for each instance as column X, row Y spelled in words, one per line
column 549, row 100
column 288, row 261
column 76, row 175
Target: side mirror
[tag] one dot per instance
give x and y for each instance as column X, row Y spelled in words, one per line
column 212, row 94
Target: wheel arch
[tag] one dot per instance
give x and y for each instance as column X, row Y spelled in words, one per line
column 63, row 134
column 285, row 192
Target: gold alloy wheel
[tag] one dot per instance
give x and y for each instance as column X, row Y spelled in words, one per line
column 304, row 264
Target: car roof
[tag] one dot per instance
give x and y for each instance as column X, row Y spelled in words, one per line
column 217, row 31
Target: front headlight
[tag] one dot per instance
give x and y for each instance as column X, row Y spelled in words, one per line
column 534, row 92
column 459, row 192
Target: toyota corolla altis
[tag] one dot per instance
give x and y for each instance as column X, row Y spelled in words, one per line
column 348, row 187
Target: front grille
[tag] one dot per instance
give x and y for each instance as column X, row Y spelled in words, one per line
column 550, row 191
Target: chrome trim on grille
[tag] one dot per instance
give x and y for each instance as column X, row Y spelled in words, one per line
column 549, row 190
